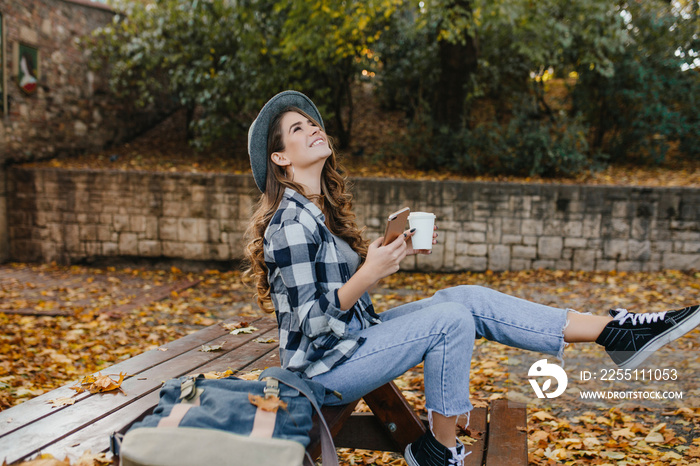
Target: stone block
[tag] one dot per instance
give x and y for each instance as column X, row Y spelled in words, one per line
column 149, row 248
column 629, row 266
column 681, row 261
column 520, row 264
column 472, row 264
column 222, row 252
column 475, row 226
column 584, row 260
column 192, row 230
column 88, row 232
column 605, row 265
column 167, row 229
column 592, row 226
column 641, row 228
column 550, row 247
column 92, row 248
column 151, row 228
column 620, row 209
column 137, row 223
column 172, row 249
column 530, row 240
column 198, row 194
column 639, row 250
column 494, row 231
column 213, row 231
column 110, row 248
column 524, row 252
column 71, row 237
column 193, row 251
column 473, row 237
column 449, row 243
column 553, row 227
column 575, row 243
column 511, row 227
column 511, row 239
column 573, row 229
column 175, row 209
column 498, row 257
column 620, row 228
column 691, row 247
column 120, row 223
column 615, row 249
column 128, row 244
column 544, row 264
column 477, row 250
column 532, row 227
column 563, row 264
column 104, row 233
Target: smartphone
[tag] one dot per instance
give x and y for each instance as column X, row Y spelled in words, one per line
column 395, row 225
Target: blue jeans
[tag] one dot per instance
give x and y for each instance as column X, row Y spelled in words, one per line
column 441, row 331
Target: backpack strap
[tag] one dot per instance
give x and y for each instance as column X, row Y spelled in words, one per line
column 328, row 453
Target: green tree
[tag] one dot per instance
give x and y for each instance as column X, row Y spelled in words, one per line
column 325, row 45
column 221, row 59
column 650, row 100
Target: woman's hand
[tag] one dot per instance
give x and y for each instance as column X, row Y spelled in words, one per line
column 410, row 251
column 381, row 261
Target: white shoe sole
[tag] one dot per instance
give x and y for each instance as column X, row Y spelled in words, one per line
column 662, row 340
column 408, row 456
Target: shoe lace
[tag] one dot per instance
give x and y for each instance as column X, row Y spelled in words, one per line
column 461, row 453
column 638, row 319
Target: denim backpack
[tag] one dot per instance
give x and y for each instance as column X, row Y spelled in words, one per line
column 229, row 421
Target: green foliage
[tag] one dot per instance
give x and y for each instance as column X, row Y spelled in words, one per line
column 628, row 95
column 650, row 101
column 525, row 146
column 223, row 59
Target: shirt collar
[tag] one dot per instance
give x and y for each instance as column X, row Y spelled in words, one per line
column 293, row 195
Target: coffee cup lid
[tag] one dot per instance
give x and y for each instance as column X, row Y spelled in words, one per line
column 421, row 214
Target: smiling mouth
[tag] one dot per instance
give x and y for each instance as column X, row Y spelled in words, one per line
column 317, row 142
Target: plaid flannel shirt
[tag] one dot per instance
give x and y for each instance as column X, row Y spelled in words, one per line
column 305, row 272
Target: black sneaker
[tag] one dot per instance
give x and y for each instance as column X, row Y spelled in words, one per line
column 427, row 451
column 631, row 338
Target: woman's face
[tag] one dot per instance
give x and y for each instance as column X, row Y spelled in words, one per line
column 305, row 143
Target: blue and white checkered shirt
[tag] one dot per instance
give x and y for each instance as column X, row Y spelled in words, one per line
column 305, row 272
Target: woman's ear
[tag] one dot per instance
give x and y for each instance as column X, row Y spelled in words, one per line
column 278, row 158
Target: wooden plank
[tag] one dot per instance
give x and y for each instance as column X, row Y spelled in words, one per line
column 38, row 407
column 95, row 437
column 365, row 431
column 395, row 414
column 507, row 434
column 476, row 429
column 36, row 435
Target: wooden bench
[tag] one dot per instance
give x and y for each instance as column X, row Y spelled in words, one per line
column 37, row 427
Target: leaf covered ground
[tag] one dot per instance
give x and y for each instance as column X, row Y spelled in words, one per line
column 61, row 324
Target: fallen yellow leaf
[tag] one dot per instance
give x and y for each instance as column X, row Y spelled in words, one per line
column 62, row 401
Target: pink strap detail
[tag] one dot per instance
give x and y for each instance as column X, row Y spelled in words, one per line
column 176, row 414
column 264, row 423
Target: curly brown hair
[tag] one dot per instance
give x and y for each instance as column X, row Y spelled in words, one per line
column 335, row 201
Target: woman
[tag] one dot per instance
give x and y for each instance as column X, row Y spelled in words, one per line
column 312, row 266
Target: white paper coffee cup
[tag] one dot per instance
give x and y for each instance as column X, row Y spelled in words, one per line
column 423, row 222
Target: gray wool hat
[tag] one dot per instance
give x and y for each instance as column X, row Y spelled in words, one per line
column 257, row 134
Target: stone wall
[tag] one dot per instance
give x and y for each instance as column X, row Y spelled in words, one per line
column 72, row 110
column 76, row 215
